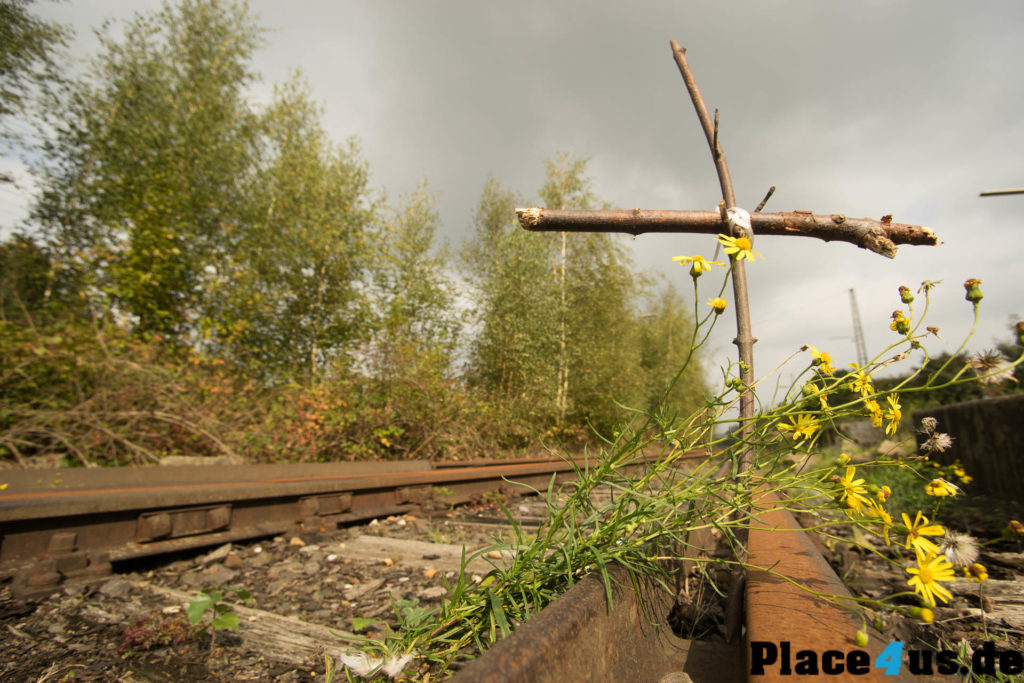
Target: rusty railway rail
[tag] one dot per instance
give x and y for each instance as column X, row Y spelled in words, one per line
column 70, row 523
column 67, row 524
column 578, row 638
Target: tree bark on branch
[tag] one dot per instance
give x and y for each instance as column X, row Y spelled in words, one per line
column 879, row 236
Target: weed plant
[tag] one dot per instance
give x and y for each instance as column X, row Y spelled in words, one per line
column 653, row 515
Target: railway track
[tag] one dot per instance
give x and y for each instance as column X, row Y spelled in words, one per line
column 68, row 525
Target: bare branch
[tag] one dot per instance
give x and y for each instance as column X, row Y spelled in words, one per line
column 994, row 193
column 710, row 127
column 867, row 233
column 767, row 196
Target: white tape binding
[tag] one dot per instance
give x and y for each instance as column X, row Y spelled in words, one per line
column 739, row 218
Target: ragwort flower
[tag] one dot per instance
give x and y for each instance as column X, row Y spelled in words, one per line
column 940, row 488
column 1013, row 530
column 853, row 490
column 738, row 247
column 699, row 264
column 875, row 411
column 822, row 360
column 719, row 304
column 976, row 572
column 925, row 577
column 917, row 531
column 893, row 414
column 803, row 426
column 900, row 323
column 860, row 381
column 875, row 509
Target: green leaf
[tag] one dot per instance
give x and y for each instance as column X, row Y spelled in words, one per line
column 198, row 606
column 499, row 613
column 359, row 623
column 227, row 620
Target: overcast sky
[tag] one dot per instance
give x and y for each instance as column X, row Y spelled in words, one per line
column 861, row 108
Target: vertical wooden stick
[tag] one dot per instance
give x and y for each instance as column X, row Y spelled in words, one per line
column 744, row 338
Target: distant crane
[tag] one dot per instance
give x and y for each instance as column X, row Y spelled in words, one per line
column 858, row 332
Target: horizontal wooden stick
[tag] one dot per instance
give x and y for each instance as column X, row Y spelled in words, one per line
column 880, row 237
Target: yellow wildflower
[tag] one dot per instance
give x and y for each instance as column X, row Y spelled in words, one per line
column 893, row 414
column 976, row 572
column 860, row 381
column 917, row 531
column 802, row 425
column 822, row 360
column 884, row 518
column 738, row 247
column 699, row 264
column 875, row 411
column 922, row 613
column 925, row 577
column 940, row 488
column 718, row 304
column 853, row 490
column 883, row 493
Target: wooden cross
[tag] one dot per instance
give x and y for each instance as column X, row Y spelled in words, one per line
column 880, row 236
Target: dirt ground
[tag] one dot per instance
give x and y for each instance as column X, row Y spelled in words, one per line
column 133, row 626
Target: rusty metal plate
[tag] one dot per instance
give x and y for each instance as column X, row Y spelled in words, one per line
column 167, row 524
column 577, row 638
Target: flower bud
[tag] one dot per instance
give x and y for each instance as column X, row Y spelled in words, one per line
column 905, row 295
column 976, row 572
column 973, row 288
column 843, row 458
column 861, row 638
column 718, row 304
column 922, row 613
column 1020, row 332
column 900, row 323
